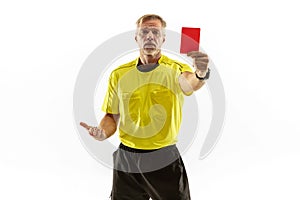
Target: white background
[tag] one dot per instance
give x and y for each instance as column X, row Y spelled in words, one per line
column 254, row 44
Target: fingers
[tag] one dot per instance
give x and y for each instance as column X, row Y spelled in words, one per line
column 201, row 65
column 96, row 132
column 200, row 60
column 87, row 127
column 195, row 54
column 93, row 131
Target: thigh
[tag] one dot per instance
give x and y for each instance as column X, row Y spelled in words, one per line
column 168, row 183
column 126, row 186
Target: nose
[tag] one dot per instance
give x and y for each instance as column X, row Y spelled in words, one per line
column 149, row 36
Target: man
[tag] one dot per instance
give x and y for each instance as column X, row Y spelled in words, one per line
column 144, row 100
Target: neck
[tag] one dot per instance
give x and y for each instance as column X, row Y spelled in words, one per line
column 149, row 59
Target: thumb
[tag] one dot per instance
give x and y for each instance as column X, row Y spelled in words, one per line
column 85, row 125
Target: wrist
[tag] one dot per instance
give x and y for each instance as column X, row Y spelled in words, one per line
column 204, row 77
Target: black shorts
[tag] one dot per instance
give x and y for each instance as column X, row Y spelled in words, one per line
column 141, row 174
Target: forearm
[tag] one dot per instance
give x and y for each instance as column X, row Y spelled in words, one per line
column 189, row 82
column 109, row 124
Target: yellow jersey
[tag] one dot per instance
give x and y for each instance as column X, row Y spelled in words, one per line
column 149, row 102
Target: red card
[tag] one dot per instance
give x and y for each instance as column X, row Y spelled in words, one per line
column 190, row 39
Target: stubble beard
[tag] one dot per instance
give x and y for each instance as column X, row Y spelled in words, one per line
column 151, row 52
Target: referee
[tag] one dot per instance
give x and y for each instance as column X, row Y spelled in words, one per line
column 144, row 102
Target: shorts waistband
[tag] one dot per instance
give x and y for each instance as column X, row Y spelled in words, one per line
column 133, row 150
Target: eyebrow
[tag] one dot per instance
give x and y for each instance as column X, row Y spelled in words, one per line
column 156, row 25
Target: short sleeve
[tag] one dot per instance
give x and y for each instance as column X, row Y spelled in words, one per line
column 111, row 100
column 185, row 68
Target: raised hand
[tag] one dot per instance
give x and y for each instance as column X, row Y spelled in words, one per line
column 200, row 62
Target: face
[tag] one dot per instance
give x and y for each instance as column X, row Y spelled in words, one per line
column 150, row 37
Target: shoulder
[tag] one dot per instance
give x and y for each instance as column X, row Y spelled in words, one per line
column 175, row 64
column 125, row 67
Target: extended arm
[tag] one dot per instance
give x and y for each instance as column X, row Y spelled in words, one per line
column 190, row 82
